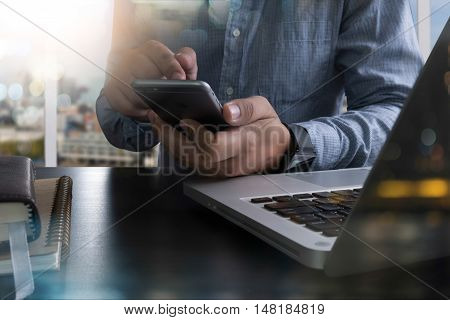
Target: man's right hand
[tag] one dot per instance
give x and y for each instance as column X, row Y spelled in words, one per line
column 152, row 60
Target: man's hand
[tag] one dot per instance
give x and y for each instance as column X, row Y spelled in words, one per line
column 152, row 60
column 256, row 140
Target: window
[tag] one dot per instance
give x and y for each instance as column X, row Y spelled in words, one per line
column 430, row 17
column 53, row 54
column 439, row 18
column 48, row 86
column 21, row 87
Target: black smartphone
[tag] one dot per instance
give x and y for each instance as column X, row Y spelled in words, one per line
column 173, row 100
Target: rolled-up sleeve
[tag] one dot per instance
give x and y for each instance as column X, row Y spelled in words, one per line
column 378, row 58
column 121, row 131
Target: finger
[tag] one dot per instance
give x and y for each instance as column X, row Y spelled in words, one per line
column 188, row 60
column 226, row 144
column 174, row 141
column 243, row 144
column 197, row 132
column 116, row 98
column 244, row 111
column 165, row 132
column 212, row 147
column 203, row 140
column 165, row 60
column 155, row 120
column 136, row 100
column 228, row 168
column 142, row 67
column 121, row 79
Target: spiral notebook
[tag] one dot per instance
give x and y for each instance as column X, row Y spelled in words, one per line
column 54, row 203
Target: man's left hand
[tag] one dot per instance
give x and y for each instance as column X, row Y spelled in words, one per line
column 256, row 140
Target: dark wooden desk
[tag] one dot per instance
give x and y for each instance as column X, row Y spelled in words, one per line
column 172, row 247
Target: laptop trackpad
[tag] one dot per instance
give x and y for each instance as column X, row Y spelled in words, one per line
column 333, row 179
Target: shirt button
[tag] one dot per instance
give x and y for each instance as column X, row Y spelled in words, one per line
column 236, row 33
column 230, row 91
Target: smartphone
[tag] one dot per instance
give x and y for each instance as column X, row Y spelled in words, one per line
column 173, row 100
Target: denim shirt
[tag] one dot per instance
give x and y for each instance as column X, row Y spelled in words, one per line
column 304, row 56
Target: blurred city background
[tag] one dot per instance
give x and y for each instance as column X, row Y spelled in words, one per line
column 36, row 70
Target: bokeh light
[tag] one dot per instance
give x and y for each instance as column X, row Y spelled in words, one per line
column 15, row 91
column 428, row 137
column 36, row 88
column 49, row 70
column 393, row 152
column 64, row 100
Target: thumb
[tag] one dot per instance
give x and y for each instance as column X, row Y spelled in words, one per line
column 244, row 111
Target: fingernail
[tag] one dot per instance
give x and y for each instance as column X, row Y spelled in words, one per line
column 235, row 111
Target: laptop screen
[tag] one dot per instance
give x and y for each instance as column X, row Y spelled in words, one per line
column 404, row 211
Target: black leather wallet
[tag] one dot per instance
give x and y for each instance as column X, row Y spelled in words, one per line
column 17, row 176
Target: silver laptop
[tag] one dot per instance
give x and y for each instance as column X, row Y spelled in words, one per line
column 328, row 220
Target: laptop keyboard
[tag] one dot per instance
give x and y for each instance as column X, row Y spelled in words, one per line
column 323, row 212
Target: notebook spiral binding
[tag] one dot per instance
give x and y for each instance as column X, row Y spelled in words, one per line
column 59, row 230
column 31, row 221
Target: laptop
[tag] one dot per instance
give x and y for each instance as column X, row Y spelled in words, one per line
column 361, row 219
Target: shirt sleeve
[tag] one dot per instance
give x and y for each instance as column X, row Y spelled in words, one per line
column 377, row 57
column 124, row 132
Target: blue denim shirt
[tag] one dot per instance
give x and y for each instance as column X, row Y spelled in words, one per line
column 304, row 57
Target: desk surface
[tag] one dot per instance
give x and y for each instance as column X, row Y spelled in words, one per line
column 138, row 237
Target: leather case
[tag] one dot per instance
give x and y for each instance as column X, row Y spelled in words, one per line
column 17, row 177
